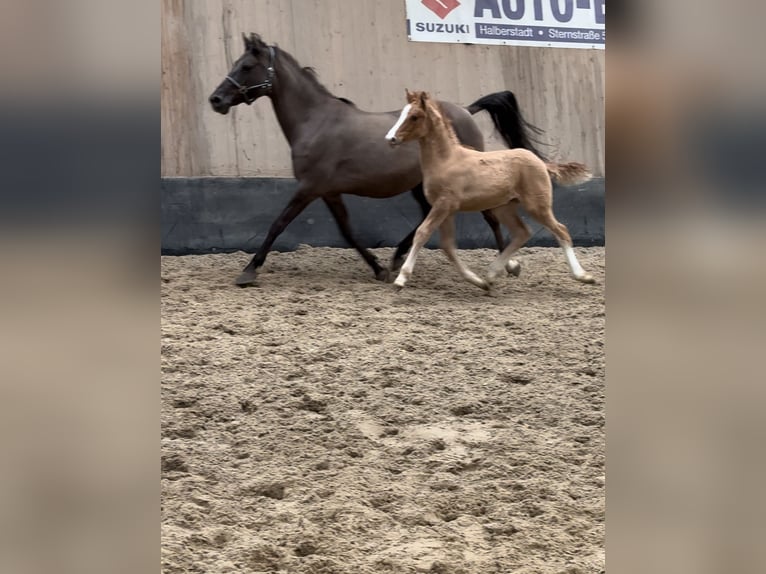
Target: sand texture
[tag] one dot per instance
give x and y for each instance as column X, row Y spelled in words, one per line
column 321, row 423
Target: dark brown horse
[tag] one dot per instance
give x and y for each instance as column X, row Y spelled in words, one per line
column 339, row 149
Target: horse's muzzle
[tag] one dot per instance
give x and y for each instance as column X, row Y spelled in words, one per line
column 219, row 105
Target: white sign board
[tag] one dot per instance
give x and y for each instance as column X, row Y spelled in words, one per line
column 550, row 23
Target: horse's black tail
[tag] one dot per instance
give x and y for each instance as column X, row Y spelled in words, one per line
column 504, row 111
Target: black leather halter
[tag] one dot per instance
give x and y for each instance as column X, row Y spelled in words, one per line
column 268, row 83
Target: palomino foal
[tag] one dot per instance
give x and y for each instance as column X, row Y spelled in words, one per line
column 457, row 178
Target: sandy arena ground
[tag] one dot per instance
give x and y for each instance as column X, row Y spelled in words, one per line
column 320, row 423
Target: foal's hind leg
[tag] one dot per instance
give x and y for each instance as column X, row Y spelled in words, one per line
column 513, row 267
column 338, row 210
column 447, row 238
column 520, row 234
column 545, row 217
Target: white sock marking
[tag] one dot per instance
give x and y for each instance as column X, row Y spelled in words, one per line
column 392, row 132
column 574, row 265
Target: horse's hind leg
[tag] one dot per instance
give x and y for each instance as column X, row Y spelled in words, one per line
column 406, row 243
column 545, row 216
column 338, row 209
column 447, row 238
column 520, row 234
column 513, row 267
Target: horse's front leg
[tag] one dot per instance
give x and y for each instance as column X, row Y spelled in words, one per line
column 302, row 198
column 435, row 218
column 339, row 212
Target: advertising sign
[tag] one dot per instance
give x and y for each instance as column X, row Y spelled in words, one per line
column 550, row 23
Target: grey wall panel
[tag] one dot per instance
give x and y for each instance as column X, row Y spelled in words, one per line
column 209, row 215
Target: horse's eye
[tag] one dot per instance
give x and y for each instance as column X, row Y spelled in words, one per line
column 247, row 68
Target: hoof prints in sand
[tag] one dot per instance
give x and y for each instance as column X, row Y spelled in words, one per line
column 320, row 423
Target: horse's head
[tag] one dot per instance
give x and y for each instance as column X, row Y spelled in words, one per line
column 251, row 77
column 412, row 123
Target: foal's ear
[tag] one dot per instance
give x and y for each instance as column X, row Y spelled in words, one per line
column 410, row 95
column 424, row 97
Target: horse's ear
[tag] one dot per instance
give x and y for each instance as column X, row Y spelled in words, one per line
column 252, row 42
column 423, row 98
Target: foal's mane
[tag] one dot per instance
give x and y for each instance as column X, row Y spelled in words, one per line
column 448, row 125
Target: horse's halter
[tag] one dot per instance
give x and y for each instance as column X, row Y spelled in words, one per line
column 268, row 83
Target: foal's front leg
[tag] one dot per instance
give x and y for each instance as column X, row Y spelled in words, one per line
column 425, row 230
column 513, row 267
column 406, row 243
column 447, row 235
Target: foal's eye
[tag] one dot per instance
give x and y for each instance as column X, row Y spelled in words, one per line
column 415, row 118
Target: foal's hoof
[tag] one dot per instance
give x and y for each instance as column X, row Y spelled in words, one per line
column 587, row 278
column 513, row 270
column 247, row 278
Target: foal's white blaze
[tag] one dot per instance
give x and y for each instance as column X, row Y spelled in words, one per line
column 392, row 132
column 574, row 265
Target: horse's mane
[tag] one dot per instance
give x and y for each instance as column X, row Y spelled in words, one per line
column 311, row 74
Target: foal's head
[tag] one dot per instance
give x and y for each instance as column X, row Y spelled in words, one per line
column 251, row 77
column 413, row 121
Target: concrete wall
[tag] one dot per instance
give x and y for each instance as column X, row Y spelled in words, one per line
column 225, row 178
column 361, row 52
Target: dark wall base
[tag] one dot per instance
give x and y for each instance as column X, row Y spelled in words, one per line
column 214, row 215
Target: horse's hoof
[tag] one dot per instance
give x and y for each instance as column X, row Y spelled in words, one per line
column 246, row 278
column 383, row 275
column 515, row 271
column 395, row 267
column 587, row 278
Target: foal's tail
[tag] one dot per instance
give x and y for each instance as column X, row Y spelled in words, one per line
column 504, row 111
column 570, row 173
